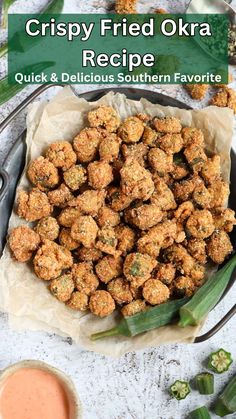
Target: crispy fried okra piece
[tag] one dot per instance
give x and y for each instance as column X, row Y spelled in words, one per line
column 219, row 246
column 138, row 268
column 89, row 255
column 197, row 91
column 86, row 144
column 200, row 224
column 60, row 196
column 48, row 228
column 168, row 125
column 78, row 301
column 23, row 242
column 155, row 292
column 62, row 287
column 68, row 216
column 225, row 98
column 75, row 176
column 224, row 219
column 66, row 240
column 33, row 206
column 145, row 216
column 165, row 272
column 131, row 130
column 107, row 217
column 184, row 286
column 171, row 143
column 84, row 230
column 202, row 196
column 133, row 308
column 101, row 304
column 135, row 151
column 126, row 7
column 211, row 169
column 104, row 117
column 109, row 147
column 108, row 268
column 183, row 211
column 197, row 249
column 195, row 156
column 43, row 174
column 50, row 260
column 61, row 154
column 192, row 136
column 85, row 279
column 219, row 191
column 107, row 241
column 180, row 169
column 119, row 289
column 126, row 238
column 136, row 181
column 117, row 199
column 150, row 137
column 162, row 197
column 99, row 174
column 183, row 190
column 89, row 202
column 180, row 258
column 160, row 236
column 160, row 161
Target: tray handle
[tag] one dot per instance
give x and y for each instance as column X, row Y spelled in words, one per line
column 217, row 327
column 5, row 180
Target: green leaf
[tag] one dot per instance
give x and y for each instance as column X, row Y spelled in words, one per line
column 5, row 7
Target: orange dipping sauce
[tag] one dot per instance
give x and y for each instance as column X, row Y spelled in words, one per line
column 32, row 393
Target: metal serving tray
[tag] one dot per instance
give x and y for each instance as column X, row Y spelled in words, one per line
column 14, row 163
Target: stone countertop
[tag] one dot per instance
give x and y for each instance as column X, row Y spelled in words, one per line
column 135, row 385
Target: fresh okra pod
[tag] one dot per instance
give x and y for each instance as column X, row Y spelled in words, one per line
column 200, row 413
column 220, row 361
column 205, row 383
column 180, row 389
column 226, row 403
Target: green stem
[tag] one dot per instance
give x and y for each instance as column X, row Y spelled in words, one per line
column 111, row 332
column 3, row 50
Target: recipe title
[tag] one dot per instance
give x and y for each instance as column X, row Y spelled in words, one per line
column 83, row 31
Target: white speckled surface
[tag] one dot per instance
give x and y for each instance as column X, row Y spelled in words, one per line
column 134, row 386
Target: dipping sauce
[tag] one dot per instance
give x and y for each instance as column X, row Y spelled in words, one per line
column 32, row 393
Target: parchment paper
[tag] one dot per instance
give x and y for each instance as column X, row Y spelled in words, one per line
column 26, row 298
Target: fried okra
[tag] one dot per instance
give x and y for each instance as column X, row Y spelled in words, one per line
column 48, row 228
column 61, row 155
column 50, row 260
column 126, row 238
column 107, row 217
column 184, row 286
column 68, row 216
column 62, row 287
column 200, row 224
column 86, row 144
column 131, row 130
column 60, row 197
column 219, row 191
column 219, row 246
column 85, row 279
column 107, row 241
column 135, row 151
column 126, row 6
column 109, row 147
column 117, row 199
column 224, row 219
column 197, row 91
column 211, row 169
column 133, row 308
column 75, row 177
column 150, row 137
column 136, row 181
column 225, row 98
column 171, row 143
column 23, row 241
column 101, row 303
column 145, row 216
column 78, row 301
column 195, row 156
column 168, row 125
column 99, row 174
column 165, row 272
column 108, row 268
column 84, row 230
column 202, row 196
column 33, row 206
column 162, row 197
column 183, row 190
column 138, row 268
column 160, row 161
column 104, row 117
column 192, row 136
column 43, row 174
column 89, row 202
column 155, row 292
column 119, row 289
column 197, row 249
column 66, row 240
column 158, row 237
column 89, row 255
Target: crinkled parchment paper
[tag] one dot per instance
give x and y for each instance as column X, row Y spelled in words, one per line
column 26, row 298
